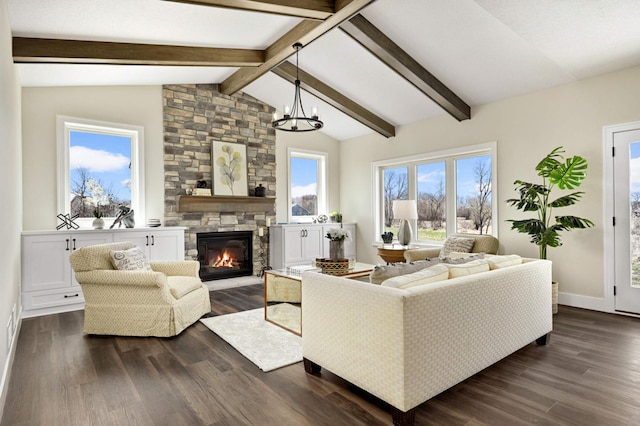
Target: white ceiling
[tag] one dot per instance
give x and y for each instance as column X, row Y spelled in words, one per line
column 483, row 50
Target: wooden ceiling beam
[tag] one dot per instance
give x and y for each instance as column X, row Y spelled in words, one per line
column 334, row 98
column 374, row 40
column 307, row 9
column 305, row 32
column 56, row 51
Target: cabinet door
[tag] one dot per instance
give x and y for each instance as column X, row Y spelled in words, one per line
column 293, row 245
column 45, row 262
column 166, row 245
column 141, row 239
column 312, row 243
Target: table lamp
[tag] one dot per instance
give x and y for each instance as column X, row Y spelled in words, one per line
column 405, row 210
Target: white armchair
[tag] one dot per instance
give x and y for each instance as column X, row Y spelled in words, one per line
column 161, row 302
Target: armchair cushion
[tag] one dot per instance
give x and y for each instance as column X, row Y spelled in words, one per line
column 179, row 286
column 132, row 259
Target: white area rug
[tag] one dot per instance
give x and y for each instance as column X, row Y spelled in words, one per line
column 266, row 345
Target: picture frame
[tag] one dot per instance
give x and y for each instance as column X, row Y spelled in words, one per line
column 229, row 169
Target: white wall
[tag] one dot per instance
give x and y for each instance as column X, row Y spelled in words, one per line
column 310, row 141
column 10, row 194
column 136, row 105
column 526, row 128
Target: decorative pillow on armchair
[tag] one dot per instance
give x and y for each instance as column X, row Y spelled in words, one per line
column 132, row 259
column 459, row 244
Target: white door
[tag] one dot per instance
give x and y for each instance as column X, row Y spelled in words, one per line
column 166, row 245
column 312, row 243
column 626, row 164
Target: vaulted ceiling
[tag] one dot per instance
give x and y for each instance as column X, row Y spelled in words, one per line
column 369, row 65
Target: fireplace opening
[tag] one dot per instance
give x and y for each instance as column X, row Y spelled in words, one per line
column 225, row 254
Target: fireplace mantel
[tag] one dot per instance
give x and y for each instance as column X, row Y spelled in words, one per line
column 218, row 203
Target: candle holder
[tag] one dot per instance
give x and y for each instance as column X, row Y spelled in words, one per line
column 264, row 252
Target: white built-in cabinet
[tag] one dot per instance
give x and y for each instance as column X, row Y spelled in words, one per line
column 48, row 282
column 301, row 244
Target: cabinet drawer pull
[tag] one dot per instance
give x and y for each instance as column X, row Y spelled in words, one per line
column 66, row 296
column 74, row 243
column 67, row 240
column 147, row 240
column 153, row 240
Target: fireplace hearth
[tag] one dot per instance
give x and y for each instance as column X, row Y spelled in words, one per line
column 225, row 254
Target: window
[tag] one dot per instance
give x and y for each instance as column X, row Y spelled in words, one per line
column 100, row 168
column 452, row 189
column 307, row 185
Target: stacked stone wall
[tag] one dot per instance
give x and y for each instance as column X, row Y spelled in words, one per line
column 193, row 117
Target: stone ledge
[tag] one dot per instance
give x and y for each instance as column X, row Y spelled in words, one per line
column 217, row 203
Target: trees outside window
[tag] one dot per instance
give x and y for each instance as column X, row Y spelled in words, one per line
column 453, row 191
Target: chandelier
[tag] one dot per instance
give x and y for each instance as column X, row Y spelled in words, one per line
column 295, row 119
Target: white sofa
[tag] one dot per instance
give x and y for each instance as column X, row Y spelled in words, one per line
column 406, row 346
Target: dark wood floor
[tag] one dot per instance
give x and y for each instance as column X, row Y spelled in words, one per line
column 589, row 374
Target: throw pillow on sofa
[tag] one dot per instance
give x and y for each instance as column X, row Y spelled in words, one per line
column 459, row 244
column 428, row 275
column 132, row 259
column 383, row 272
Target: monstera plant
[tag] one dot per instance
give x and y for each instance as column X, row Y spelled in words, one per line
column 557, row 172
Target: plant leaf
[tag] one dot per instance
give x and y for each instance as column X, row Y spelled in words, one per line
column 550, row 162
column 570, row 174
column 566, row 200
column 573, row 222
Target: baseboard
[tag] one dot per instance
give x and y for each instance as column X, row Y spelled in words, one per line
column 52, row 310
column 584, row 302
column 6, row 372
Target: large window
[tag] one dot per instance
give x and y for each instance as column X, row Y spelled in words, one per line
column 100, row 168
column 453, row 192
column 307, row 185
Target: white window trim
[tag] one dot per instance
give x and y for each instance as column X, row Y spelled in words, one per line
column 65, row 125
column 323, row 164
column 448, row 155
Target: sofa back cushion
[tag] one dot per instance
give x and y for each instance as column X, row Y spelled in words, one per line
column 469, row 268
column 428, row 275
column 504, row 261
column 383, row 272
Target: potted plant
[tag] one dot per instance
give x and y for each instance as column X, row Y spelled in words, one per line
column 544, row 230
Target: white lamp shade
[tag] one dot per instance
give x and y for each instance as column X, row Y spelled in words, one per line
column 405, row 209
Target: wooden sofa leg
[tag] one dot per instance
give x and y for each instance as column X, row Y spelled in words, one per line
column 403, row 418
column 311, row 367
column 544, row 339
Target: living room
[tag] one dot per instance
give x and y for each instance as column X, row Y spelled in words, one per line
column 524, row 127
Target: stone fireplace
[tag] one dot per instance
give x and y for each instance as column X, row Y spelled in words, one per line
column 194, row 117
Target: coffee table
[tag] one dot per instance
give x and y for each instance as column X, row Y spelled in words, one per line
column 283, row 294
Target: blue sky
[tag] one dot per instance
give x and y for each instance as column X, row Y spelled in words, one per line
column 304, row 176
column 634, row 166
column 106, row 157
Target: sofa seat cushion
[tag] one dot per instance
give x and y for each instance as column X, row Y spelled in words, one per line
column 428, row 275
column 180, row 286
column 503, row 261
column 457, row 244
column 132, row 259
column 383, row 272
column 469, row 268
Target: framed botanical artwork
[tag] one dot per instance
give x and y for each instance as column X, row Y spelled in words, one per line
column 229, row 168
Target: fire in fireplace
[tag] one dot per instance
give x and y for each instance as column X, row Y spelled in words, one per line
column 225, row 254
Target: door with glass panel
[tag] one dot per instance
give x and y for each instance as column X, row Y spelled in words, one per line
column 627, row 220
